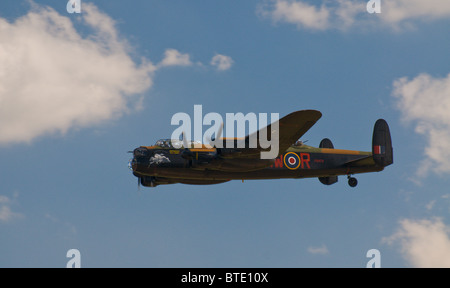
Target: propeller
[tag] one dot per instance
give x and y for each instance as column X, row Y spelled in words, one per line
column 218, row 134
column 187, row 154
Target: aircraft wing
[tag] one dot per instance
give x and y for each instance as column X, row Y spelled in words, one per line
column 290, row 128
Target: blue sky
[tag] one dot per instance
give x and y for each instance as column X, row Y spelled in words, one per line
column 77, row 91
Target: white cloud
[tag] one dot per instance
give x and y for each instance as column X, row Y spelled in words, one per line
column 222, row 62
column 430, row 205
column 3, row 199
column 6, row 214
column 397, row 11
column 53, row 79
column 423, row 243
column 342, row 14
column 346, row 13
column 173, row 57
column 322, row 250
column 425, row 101
column 301, row 14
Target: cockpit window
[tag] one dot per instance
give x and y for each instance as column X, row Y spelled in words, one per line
column 165, row 143
column 177, row 143
column 162, row 143
column 140, row 152
column 174, row 143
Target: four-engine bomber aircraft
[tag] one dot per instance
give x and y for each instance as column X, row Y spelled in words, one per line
column 165, row 164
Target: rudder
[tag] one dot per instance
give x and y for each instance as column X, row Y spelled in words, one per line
column 382, row 144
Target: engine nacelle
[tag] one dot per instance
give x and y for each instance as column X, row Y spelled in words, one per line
column 150, row 181
column 328, row 180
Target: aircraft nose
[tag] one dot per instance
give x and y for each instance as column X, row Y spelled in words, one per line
column 132, row 164
column 140, row 152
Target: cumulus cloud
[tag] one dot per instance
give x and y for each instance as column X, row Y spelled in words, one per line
column 343, row 14
column 397, row 11
column 222, row 62
column 173, row 57
column 53, row 79
column 302, row 14
column 322, row 250
column 6, row 213
column 423, row 243
column 425, row 101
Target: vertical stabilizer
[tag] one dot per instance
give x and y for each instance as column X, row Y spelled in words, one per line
column 382, row 144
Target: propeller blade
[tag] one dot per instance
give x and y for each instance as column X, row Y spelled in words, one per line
column 186, row 153
column 217, row 136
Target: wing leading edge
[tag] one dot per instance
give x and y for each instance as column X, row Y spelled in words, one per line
column 290, row 128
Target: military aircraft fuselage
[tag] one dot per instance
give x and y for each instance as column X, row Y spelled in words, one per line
column 165, row 164
column 297, row 162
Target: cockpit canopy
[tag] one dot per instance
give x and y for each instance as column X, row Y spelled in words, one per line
column 174, row 143
column 140, row 152
column 166, row 143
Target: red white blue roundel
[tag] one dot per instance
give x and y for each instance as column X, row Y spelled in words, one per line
column 291, row 160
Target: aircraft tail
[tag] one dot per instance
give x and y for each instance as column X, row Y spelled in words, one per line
column 382, row 144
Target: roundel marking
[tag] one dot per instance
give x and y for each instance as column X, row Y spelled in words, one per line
column 291, row 160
